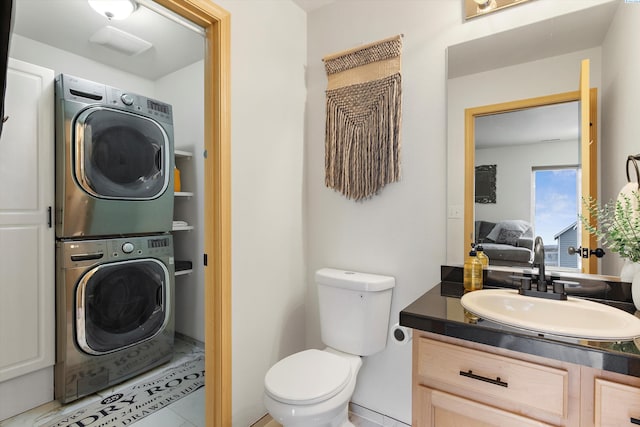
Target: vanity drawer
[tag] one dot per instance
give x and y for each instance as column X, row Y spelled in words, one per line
column 497, row 379
column 616, row 404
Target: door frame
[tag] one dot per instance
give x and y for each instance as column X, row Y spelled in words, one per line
column 217, row 202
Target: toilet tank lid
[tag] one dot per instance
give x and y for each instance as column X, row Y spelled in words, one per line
column 363, row 282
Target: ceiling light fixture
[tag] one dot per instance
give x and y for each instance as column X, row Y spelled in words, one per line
column 474, row 8
column 485, row 5
column 114, row 9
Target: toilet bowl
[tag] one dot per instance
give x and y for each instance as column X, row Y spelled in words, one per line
column 312, row 388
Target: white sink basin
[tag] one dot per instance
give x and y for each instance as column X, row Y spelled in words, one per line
column 576, row 318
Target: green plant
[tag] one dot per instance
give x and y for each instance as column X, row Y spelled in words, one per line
column 617, row 224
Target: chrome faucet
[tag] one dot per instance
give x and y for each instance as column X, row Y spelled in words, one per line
column 538, row 261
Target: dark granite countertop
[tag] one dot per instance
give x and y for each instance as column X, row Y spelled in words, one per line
column 439, row 311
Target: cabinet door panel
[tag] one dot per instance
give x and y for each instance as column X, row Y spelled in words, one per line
column 616, row 404
column 441, row 409
column 19, row 334
column 19, row 162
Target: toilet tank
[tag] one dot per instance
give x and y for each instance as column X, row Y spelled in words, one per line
column 354, row 310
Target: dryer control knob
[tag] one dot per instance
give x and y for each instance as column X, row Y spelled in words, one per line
column 126, row 99
column 127, row 248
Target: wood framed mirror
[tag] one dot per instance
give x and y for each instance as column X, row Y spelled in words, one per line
column 586, row 154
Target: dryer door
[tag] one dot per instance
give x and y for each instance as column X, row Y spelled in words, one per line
column 120, row 304
column 120, row 155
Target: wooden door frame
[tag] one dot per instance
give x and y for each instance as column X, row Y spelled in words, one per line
column 217, row 202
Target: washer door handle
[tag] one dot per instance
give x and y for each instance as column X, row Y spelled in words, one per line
column 159, row 160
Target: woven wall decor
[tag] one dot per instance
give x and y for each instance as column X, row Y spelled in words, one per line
column 362, row 134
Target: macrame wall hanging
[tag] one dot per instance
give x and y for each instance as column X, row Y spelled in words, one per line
column 362, row 135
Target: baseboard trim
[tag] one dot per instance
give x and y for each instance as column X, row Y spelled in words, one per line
column 265, row 421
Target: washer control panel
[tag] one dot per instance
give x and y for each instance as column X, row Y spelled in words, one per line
column 76, row 253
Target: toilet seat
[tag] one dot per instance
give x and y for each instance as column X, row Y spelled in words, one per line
column 308, row 377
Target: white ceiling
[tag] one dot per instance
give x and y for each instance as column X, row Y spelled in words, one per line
column 309, row 5
column 532, row 125
column 68, row 25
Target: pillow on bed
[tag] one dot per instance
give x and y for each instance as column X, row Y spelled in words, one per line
column 508, row 232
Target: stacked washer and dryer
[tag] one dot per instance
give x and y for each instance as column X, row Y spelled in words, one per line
column 114, row 249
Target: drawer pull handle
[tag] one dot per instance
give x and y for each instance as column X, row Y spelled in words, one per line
column 497, row 381
column 635, row 421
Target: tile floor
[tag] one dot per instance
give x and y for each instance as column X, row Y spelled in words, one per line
column 186, row 412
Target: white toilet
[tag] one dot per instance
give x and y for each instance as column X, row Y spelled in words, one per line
column 313, row 388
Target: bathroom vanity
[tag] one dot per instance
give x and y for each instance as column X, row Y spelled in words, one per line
column 478, row 373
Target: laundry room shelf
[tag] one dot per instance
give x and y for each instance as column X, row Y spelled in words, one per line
column 182, row 153
column 182, row 228
column 183, row 194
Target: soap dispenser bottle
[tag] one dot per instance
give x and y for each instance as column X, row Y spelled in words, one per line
column 482, row 256
column 473, row 275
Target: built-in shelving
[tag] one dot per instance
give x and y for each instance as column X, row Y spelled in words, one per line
column 182, row 162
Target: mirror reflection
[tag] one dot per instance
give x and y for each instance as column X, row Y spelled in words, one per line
column 527, row 184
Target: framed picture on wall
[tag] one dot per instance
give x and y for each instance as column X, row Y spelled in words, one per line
column 486, row 184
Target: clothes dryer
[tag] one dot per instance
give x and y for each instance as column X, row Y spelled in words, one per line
column 114, row 309
column 114, row 161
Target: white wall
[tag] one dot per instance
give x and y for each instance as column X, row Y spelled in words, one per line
column 402, row 231
column 620, row 108
column 268, row 56
column 544, row 77
column 513, row 175
column 184, row 90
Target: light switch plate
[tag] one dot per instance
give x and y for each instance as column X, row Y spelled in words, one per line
column 455, row 211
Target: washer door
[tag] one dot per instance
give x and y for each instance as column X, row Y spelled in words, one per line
column 120, row 155
column 121, row 304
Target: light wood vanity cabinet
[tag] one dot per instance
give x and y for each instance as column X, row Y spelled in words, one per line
column 461, row 383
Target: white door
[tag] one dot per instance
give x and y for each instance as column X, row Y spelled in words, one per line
column 27, row 240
